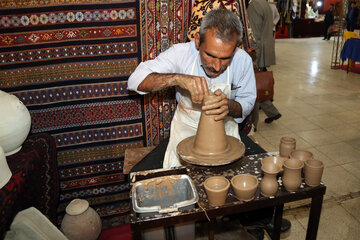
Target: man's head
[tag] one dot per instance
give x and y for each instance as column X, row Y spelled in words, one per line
column 353, row 4
column 331, row 6
column 220, row 34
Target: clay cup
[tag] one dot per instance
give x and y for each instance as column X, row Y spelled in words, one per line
column 302, row 155
column 313, row 172
column 216, row 189
column 292, row 174
column 244, row 186
column 287, row 145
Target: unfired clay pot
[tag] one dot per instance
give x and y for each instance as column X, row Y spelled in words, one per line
column 269, row 184
column 210, row 136
column 244, row 186
column 81, row 222
column 292, row 174
column 302, row 155
column 287, row 145
column 277, row 160
column 216, row 188
column 313, row 170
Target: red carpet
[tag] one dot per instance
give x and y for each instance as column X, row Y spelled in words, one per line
column 122, row 232
column 356, row 69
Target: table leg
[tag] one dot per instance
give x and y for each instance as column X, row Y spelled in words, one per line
column 277, row 221
column 314, row 217
column 212, row 225
column 136, row 232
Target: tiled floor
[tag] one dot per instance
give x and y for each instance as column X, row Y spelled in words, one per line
column 320, row 107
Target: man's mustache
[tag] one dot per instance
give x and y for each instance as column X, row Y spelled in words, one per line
column 211, row 69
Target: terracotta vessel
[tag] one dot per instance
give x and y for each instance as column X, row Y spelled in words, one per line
column 287, row 145
column 292, row 174
column 302, row 155
column 217, row 188
column 269, row 184
column 15, row 123
column 277, row 160
column 313, row 170
column 244, row 186
column 81, row 222
column 210, row 137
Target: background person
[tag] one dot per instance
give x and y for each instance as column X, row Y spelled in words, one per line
column 328, row 21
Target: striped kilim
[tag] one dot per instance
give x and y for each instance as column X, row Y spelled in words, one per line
column 68, row 62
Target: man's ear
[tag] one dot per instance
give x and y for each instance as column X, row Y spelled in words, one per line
column 197, row 40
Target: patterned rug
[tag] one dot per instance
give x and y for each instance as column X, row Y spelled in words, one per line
column 69, row 63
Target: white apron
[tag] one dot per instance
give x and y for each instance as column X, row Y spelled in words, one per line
column 186, row 118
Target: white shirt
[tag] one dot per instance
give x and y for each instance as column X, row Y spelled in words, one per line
column 276, row 15
column 180, row 58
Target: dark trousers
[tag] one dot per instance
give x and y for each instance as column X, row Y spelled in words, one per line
column 326, row 34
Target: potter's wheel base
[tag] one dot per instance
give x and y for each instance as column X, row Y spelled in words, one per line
column 187, row 153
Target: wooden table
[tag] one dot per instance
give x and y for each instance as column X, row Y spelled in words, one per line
column 249, row 164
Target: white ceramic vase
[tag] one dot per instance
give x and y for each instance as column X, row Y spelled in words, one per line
column 15, row 123
column 5, row 173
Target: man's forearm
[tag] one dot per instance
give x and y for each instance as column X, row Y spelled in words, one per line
column 235, row 109
column 157, row 81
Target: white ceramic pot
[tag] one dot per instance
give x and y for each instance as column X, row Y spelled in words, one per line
column 15, row 123
column 81, row 222
column 5, row 173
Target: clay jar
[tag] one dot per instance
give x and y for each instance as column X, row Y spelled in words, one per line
column 302, row 155
column 216, row 189
column 287, row 145
column 313, row 170
column 292, row 174
column 210, row 136
column 269, row 184
column 244, row 186
column 81, row 222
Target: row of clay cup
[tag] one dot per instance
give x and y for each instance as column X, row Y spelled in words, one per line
column 294, row 161
column 217, row 187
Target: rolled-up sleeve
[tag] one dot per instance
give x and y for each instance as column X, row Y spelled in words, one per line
column 244, row 86
column 166, row 62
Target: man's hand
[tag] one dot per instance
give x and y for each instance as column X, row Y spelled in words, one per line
column 218, row 106
column 197, row 86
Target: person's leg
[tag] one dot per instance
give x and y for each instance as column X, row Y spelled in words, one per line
column 256, row 115
column 325, row 31
column 154, row 160
column 269, row 109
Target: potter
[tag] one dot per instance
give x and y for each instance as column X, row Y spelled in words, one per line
column 213, row 62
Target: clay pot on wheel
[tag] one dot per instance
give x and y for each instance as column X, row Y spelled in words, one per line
column 292, row 174
column 81, row 222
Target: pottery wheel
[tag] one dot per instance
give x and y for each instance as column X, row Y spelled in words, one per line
column 234, row 151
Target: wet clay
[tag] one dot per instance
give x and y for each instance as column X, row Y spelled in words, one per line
column 210, row 146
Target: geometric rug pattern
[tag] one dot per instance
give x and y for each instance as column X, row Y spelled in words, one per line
column 68, row 62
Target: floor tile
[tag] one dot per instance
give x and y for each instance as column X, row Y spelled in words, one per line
column 318, row 137
column 352, row 207
column 340, row 152
column 335, row 223
column 339, row 182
